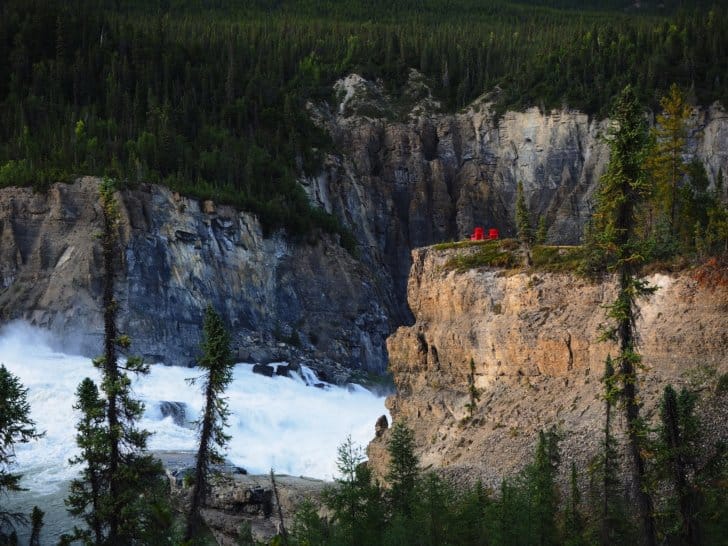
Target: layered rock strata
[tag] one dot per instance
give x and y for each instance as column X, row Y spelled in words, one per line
column 180, row 255
column 537, row 361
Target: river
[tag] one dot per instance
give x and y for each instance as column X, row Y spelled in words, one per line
column 276, row 422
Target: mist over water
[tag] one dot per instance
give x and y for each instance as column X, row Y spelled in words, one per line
column 278, row 422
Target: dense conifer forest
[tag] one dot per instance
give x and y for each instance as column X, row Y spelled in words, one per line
column 208, row 96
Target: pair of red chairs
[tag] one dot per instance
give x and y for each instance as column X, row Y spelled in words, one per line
column 479, row 234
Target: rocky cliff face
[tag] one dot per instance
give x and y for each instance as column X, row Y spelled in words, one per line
column 405, row 176
column 532, row 338
column 179, row 256
column 401, row 176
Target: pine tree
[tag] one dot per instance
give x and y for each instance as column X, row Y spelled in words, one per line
column 86, row 492
column 622, row 188
column 677, row 455
column 358, row 513
column 435, row 512
column 610, row 510
column 119, row 493
column 217, row 362
column 16, row 427
column 523, row 217
column 573, row 520
column 403, row 469
column 308, row 528
column 665, row 160
column 543, row 493
column 36, row 525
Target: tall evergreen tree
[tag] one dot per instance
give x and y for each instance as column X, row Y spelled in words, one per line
column 622, row 188
column 403, row 469
column 665, row 160
column 573, row 521
column 542, row 491
column 16, row 427
column 355, row 501
column 120, row 490
column 85, row 493
column 609, row 505
column 677, row 456
column 217, row 362
column 36, row 525
column 523, row 217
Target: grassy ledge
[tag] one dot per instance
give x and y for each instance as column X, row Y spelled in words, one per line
column 509, row 254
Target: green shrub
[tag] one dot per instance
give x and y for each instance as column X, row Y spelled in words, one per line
column 489, row 254
column 15, row 173
column 556, row 259
column 722, row 385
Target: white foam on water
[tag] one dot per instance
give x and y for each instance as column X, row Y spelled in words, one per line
column 276, row 422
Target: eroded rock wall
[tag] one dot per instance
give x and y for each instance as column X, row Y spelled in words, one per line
column 179, row 256
column 533, row 339
column 407, row 176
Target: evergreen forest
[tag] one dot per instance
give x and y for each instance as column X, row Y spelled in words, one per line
column 209, row 96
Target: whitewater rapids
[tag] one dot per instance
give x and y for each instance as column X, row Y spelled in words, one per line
column 280, row 422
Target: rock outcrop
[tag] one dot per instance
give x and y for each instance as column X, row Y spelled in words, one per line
column 237, row 498
column 533, row 341
column 406, row 176
column 179, row 256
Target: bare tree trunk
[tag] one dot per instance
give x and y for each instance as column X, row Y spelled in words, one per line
column 284, row 534
column 199, row 488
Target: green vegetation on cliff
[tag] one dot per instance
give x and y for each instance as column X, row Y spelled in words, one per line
column 209, row 97
column 672, row 217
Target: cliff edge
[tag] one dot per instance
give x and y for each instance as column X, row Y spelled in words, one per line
column 537, row 362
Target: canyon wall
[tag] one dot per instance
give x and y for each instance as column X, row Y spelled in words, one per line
column 282, row 299
column 537, row 362
column 404, row 175
column 400, row 175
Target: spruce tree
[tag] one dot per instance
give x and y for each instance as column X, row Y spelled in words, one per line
column 356, row 501
column 542, row 491
column 16, row 427
column 665, row 160
column 523, row 217
column 217, row 362
column 622, row 188
column 435, row 516
column 85, row 493
column 119, row 492
column 610, row 507
column 573, row 520
column 36, row 525
column 403, row 469
column 308, row 527
column 678, row 451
